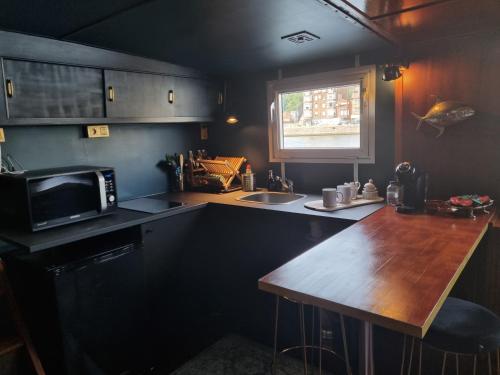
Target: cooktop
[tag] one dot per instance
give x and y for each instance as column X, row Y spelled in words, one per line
column 150, row 205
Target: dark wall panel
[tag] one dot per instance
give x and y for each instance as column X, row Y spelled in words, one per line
column 247, row 95
column 464, row 160
column 134, row 150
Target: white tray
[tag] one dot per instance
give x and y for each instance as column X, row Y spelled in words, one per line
column 318, row 205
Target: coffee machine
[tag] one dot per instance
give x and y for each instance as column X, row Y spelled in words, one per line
column 414, row 185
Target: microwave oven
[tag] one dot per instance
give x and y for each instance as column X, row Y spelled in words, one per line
column 39, row 199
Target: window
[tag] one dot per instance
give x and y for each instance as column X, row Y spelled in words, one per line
column 344, row 132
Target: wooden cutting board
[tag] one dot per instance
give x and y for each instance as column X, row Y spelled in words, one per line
column 318, row 205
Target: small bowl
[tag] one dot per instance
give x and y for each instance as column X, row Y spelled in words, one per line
column 370, row 195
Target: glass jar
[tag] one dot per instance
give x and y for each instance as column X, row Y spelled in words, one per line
column 394, row 194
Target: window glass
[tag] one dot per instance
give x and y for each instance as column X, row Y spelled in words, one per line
column 326, row 117
column 333, row 122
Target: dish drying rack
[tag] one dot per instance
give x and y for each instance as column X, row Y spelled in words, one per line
column 226, row 167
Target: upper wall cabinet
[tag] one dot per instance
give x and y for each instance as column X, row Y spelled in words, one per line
column 195, row 97
column 142, row 95
column 51, row 82
column 37, row 90
column 138, row 95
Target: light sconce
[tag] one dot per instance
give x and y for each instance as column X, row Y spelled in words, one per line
column 394, row 71
column 230, row 116
column 232, row 119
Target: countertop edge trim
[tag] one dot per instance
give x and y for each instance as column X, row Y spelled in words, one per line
column 350, row 312
column 453, row 281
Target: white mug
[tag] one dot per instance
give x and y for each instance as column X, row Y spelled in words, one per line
column 330, row 197
column 345, row 191
column 355, row 188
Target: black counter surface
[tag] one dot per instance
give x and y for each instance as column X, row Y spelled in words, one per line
column 120, row 219
column 124, row 218
column 297, row 207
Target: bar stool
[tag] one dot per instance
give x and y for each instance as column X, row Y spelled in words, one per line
column 304, row 346
column 461, row 328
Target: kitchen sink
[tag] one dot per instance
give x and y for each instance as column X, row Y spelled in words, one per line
column 270, row 197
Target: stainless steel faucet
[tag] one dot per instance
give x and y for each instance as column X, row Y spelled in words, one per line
column 288, row 186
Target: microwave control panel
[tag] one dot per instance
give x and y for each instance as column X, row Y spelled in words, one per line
column 109, row 178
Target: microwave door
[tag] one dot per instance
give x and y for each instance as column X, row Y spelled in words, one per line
column 102, row 191
column 59, row 199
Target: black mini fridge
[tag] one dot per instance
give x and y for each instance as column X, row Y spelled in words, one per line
column 85, row 306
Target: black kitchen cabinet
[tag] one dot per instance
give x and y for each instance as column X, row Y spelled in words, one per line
column 50, row 82
column 174, row 294
column 39, row 90
column 214, row 276
column 196, row 97
column 238, row 245
column 139, row 95
column 202, row 269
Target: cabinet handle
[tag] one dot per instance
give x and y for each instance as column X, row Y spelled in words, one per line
column 111, row 94
column 220, row 98
column 10, row 88
column 171, row 96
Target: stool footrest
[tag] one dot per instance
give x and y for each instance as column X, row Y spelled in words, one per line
column 314, row 347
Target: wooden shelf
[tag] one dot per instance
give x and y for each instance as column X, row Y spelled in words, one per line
column 9, row 344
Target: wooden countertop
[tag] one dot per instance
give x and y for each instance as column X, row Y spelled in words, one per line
column 390, row 269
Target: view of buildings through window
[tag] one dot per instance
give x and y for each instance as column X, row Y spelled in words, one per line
column 321, row 118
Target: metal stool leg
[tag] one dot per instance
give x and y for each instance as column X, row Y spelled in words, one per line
column 275, row 348
column 444, row 363
column 346, row 348
column 411, row 354
column 490, row 372
column 456, row 363
column 320, row 341
column 420, row 359
column 303, row 335
column 313, row 309
column 475, row 365
column 498, row 361
column 403, row 356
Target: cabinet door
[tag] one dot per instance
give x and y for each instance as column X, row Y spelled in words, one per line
column 137, row 95
column 39, row 90
column 172, row 305
column 195, row 97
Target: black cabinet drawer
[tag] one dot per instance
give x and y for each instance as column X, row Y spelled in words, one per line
column 138, row 95
column 40, row 90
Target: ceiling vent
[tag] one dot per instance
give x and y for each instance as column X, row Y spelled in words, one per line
column 300, row 37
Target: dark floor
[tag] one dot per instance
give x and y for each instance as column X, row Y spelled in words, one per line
column 235, row 355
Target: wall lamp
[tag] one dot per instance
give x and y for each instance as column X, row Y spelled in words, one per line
column 394, row 71
column 232, row 119
column 230, row 116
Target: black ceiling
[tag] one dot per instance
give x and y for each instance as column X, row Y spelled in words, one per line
column 57, row 18
column 219, row 36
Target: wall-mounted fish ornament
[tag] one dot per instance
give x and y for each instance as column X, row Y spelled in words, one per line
column 445, row 113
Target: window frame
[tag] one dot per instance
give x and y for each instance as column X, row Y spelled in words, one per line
column 365, row 75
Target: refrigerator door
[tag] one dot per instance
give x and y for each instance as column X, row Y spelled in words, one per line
column 102, row 313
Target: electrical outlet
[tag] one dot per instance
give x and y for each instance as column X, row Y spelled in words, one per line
column 2, row 136
column 97, row 131
column 204, row 132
